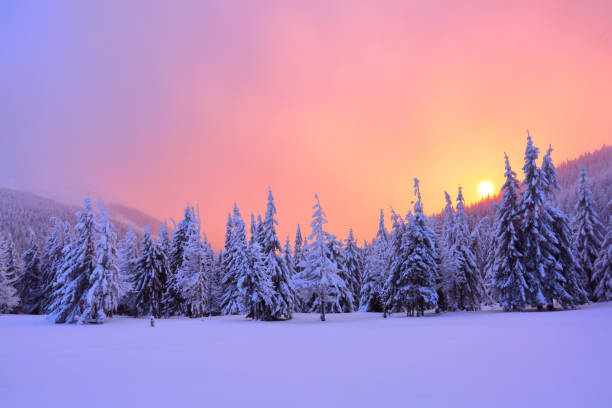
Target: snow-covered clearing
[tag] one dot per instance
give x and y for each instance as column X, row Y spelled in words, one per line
column 492, row 359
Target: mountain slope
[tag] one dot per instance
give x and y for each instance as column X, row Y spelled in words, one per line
column 20, row 211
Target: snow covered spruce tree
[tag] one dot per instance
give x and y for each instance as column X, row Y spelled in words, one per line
column 602, row 274
column 255, row 286
column 560, row 282
column 9, row 298
column 212, row 271
column 446, row 258
column 103, row 293
column 352, row 267
column 345, row 302
column 52, row 258
column 588, row 233
column 236, row 263
column 289, row 258
column 191, row 278
column 173, row 303
column 509, row 285
column 284, row 297
column 481, row 244
column 71, row 285
column 150, row 278
column 411, row 285
column 126, row 263
column 370, row 297
column 30, row 286
column 10, row 260
column 534, row 233
column 319, row 281
column 466, row 289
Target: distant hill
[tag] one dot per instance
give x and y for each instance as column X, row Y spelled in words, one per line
column 20, row 211
column 599, row 169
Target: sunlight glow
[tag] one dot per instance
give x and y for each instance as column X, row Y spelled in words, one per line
column 485, row 189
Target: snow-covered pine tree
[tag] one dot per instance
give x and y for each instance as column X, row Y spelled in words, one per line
column 534, row 234
column 588, row 233
column 352, row 267
column 163, row 238
column 345, row 302
column 236, row 264
column 9, row 298
column 287, row 254
column 466, row 289
column 284, row 297
column 509, row 286
column 411, row 285
column 213, row 278
column 72, row 280
column 448, row 265
column 150, row 278
column 51, row 259
column 126, row 263
column 560, row 280
column 481, row 244
column 10, row 260
column 30, row 286
column 319, row 281
column 255, row 287
column 173, row 303
column 298, row 250
column 602, row 274
column 102, row 297
column 192, row 277
column 370, row 296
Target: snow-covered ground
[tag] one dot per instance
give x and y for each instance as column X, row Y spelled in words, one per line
column 492, row 359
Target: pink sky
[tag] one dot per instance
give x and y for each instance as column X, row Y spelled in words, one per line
column 157, row 105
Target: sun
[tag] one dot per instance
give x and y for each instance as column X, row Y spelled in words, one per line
column 485, row 189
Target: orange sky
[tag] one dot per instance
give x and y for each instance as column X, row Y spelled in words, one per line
column 212, row 102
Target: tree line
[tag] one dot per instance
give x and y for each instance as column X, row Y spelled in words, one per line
column 530, row 255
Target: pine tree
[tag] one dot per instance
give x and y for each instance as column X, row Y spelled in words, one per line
column 191, row 277
column 587, row 233
column 447, row 262
column 173, row 303
column 9, row 298
column 150, row 278
column 466, row 288
column 284, row 297
column 534, row 234
column 236, row 264
column 370, row 297
column 411, row 284
column 481, row 244
column 126, row 263
column 163, row 238
column 211, row 270
column 510, row 287
column 30, row 285
column 102, row 296
column 10, row 260
column 560, row 280
column 289, row 258
column 51, row 259
column 319, row 280
column 298, row 250
column 352, row 267
column 602, row 275
column 72, row 281
column 345, row 301
column 255, row 287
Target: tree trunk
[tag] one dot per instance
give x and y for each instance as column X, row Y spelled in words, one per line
column 322, row 307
